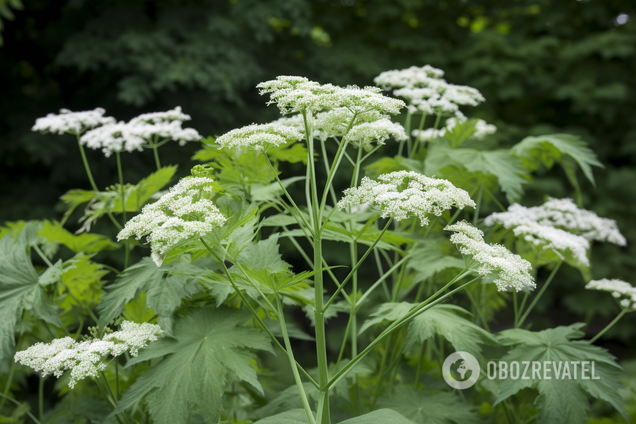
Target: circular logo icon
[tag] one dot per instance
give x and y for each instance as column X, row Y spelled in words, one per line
column 466, row 367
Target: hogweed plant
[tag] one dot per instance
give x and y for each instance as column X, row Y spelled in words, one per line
column 394, row 246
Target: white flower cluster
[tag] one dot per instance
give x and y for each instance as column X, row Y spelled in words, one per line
column 556, row 239
column 427, row 92
column 428, row 134
column 619, row 289
column 185, row 211
column 365, row 134
column 563, row 214
column 299, row 95
column 260, row 136
column 131, row 136
column 85, row 359
column 403, row 194
column 157, row 117
column 72, row 122
column 511, row 270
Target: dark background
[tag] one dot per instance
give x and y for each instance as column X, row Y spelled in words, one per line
column 543, row 66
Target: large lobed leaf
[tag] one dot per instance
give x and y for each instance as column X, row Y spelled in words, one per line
column 164, row 292
column 190, row 379
column 20, row 288
column 562, row 401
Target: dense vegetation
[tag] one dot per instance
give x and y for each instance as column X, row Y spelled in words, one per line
column 544, row 67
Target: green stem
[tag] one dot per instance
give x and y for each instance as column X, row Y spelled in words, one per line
column 536, row 299
column 418, row 370
column 325, row 161
column 156, row 153
column 381, row 280
column 89, row 174
column 415, row 311
column 421, row 126
column 439, row 117
column 478, row 309
column 479, row 198
column 123, row 205
column 292, row 363
column 610, row 325
column 407, row 128
column 323, row 415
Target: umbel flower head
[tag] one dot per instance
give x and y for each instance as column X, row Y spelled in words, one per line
column 85, row 359
column 300, row 95
column 622, row 291
column 563, row 214
column 260, row 136
column 186, row 211
column 427, row 92
column 511, row 271
column 68, row 122
column 559, row 241
column 403, row 194
column 359, row 130
column 157, row 127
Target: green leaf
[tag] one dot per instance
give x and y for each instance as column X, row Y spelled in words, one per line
column 264, row 193
column 381, row 416
column 447, row 320
column 87, row 243
column 509, row 171
column 294, row 416
column 191, row 378
column 562, row 400
column 84, row 279
column 293, row 153
column 390, row 311
column 430, row 408
column 430, row 257
column 460, row 132
column 52, row 275
column 141, row 192
column 164, row 292
column 20, row 289
column 550, row 148
column 387, row 165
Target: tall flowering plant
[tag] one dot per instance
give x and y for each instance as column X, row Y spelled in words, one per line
column 213, row 297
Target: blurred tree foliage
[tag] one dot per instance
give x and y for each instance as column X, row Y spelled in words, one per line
column 543, row 65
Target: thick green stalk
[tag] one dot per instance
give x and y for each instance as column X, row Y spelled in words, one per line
column 123, row 206
column 536, row 299
column 407, row 127
column 292, row 363
column 156, row 153
column 610, row 325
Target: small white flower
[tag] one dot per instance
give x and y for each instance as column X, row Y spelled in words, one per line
column 260, row 136
column 85, row 359
column 511, row 270
column 403, row 194
column 367, row 133
column 186, row 211
column 564, row 214
column 72, row 122
column 618, row 288
column 558, row 240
